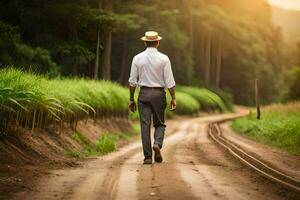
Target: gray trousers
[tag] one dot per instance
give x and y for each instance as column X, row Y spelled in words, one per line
column 152, row 103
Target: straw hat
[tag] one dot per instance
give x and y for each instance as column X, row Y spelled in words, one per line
column 151, row 36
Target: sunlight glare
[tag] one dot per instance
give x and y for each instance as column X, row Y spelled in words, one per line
column 287, row 4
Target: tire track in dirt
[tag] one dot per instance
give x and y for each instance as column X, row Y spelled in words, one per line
column 127, row 187
column 162, row 180
column 213, row 174
column 98, row 178
column 104, row 177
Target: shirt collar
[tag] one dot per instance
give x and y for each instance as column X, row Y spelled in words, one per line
column 151, row 49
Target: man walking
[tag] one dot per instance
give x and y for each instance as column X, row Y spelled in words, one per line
column 151, row 70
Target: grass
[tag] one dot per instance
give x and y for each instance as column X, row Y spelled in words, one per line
column 191, row 100
column 29, row 100
column 136, row 127
column 186, row 104
column 279, row 126
column 208, row 100
column 32, row 100
column 106, row 143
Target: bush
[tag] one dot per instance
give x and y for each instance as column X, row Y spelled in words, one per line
column 186, row 104
column 14, row 52
column 209, row 101
column 225, row 96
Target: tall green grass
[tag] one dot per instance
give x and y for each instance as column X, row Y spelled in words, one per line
column 279, row 126
column 31, row 100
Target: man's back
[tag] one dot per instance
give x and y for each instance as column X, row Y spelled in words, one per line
column 151, row 69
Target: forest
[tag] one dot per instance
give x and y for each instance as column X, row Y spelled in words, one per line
column 217, row 44
column 66, row 126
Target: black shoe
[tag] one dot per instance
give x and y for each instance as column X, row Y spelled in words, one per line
column 157, row 155
column 147, row 161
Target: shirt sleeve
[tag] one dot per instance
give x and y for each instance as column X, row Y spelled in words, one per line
column 168, row 75
column 133, row 79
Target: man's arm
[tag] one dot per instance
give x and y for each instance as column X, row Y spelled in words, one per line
column 170, row 83
column 132, row 85
column 173, row 101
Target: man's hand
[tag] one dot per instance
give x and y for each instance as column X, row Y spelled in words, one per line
column 132, row 106
column 173, row 105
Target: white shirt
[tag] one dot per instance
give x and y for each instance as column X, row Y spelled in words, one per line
column 151, row 69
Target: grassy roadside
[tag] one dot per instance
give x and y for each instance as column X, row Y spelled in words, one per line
column 278, row 127
column 30, row 100
column 106, row 143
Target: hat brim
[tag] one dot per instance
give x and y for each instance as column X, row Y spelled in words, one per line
column 148, row 40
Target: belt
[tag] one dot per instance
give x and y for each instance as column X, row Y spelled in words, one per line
column 152, row 88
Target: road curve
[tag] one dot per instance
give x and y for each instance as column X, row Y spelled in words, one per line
column 194, row 167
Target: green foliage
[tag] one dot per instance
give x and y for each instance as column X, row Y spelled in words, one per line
column 74, row 53
column 60, row 37
column 38, row 59
column 106, row 143
column 8, row 35
column 207, row 99
column 186, row 104
column 14, row 52
column 27, row 95
column 250, row 49
column 292, row 80
column 174, row 37
column 226, row 96
column 277, row 127
column 32, row 100
column 136, row 127
column 191, row 100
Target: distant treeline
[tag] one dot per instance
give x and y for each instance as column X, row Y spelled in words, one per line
column 212, row 43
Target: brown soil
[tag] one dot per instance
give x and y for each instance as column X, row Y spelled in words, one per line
column 25, row 156
column 193, row 168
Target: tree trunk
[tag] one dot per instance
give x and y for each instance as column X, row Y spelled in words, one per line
column 213, row 60
column 107, row 56
column 124, row 61
column 207, row 59
column 72, row 27
column 108, row 5
column 75, row 69
column 191, row 27
column 219, row 62
column 96, row 69
column 202, row 56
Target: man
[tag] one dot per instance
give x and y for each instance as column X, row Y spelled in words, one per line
column 151, row 70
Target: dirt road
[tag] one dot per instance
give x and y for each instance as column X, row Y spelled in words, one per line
column 193, row 168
